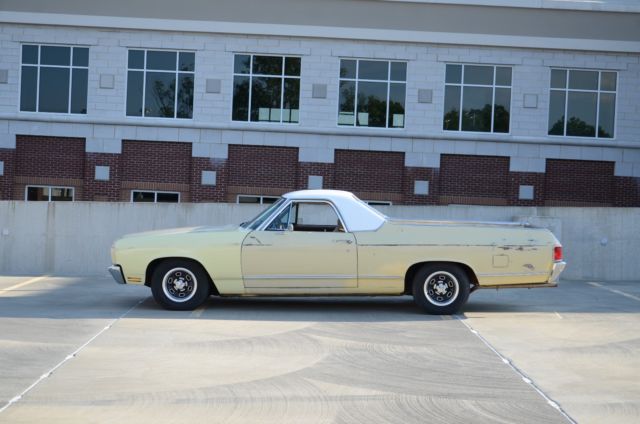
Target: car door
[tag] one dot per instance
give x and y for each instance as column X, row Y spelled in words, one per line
column 305, row 246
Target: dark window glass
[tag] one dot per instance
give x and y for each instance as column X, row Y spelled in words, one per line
column 503, row 76
column 290, row 112
column 134, row 93
column 267, row 65
column 396, row 105
column 38, row 194
column 398, row 71
column 453, row 74
column 241, row 64
column 136, row 59
column 30, row 54
column 168, row 198
column 482, row 75
column 187, row 61
column 347, row 69
column 372, row 104
column 160, row 94
column 556, row 113
column 53, row 55
column 501, row 110
column 608, row 81
column 451, row 107
column 476, row 109
column 54, row 90
column 185, row 96
column 248, row 199
column 80, row 56
column 161, row 60
column 607, row 115
column 269, row 200
column 581, row 113
column 558, row 78
column 79, row 91
column 583, row 80
column 61, row 194
column 143, row 196
column 292, row 66
column 347, row 103
column 28, row 88
column 240, row 98
column 265, row 99
column 373, row 70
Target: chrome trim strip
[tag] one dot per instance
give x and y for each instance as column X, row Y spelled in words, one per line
column 381, row 277
column 301, row 277
column 116, row 273
column 515, row 274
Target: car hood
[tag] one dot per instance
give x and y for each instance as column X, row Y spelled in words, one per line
column 183, row 230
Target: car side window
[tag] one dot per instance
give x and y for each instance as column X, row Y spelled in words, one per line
column 315, row 216
column 281, row 222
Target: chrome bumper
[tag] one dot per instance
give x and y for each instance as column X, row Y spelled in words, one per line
column 116, row 273
column 558, row 267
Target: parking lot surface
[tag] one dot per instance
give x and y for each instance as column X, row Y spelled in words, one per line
column 88, row 350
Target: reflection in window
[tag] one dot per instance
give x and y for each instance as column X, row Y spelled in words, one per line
column 372, row 93
column 154, row 196
column 266, row 88
column 477, row 98
column 49, row 194
column 54, row 79
column 587, row 98
column 160, row 84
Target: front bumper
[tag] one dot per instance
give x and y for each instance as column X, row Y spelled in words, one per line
column 116, row 273
column 558, row 267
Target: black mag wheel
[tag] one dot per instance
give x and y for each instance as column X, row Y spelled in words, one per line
column 180, row 285
column 441, row 289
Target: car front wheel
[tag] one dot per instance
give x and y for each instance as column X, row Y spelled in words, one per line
column 180, row 285
column 441, row 289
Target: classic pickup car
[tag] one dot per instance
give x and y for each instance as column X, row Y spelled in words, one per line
column 328, row 242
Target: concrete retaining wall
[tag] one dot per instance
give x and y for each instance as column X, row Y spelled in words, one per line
column 75, row 238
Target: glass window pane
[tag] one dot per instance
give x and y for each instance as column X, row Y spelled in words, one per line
column 292, row 66
column 248, row 199
column 398, row 71
column 134, row 93
column 267, row 65
column 185, row 96
column 451, row 108
column 503, row 76
column 453, row 74
column 501, row 110
column 583, row 80
column 59, row 194
column 374, row 70
column 556, row 112
column 269, row 200
column 397, row 93
column 80, row 56
column 476, row 109
column 581, row 113
column 608, row 81
column 372, row 104
column 168, row 198
column 187, row 61
column 28, row 88
column 241, row 63
column 79, row 91
column 55, row 55
column 607, row 115
column 30, row 54
column 290, row 109
column 143, row 196
column 161, row 60
column 136, row 59
column 558, row 78
column 38, row 193
column 474, row 74
column 54, row 90
column 160, row 91
column 240, row 98
column 347, row 68
column 347, row 103
column 265, row 99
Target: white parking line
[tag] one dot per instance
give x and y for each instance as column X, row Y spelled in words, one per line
column 621, row 293
column 24, row 283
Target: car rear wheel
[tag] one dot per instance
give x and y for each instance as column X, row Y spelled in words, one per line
column 180, row 285
column 441, row 289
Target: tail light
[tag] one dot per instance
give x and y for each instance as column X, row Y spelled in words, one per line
column 557, row 253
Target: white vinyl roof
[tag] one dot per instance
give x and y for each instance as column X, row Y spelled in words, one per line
column 357, row 215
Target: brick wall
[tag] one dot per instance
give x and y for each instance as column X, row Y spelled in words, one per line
column 325, row 170
column 160, row 162
column 535, row 179
column 205, row 193
column 371, row 175
column 469, row 179
column 579, row 183
column 98, row 190
column 411, row 174
column 627, row 192
column 54, row 157
column 7, row 156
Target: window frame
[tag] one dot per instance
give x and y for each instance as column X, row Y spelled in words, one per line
column 261, row 197
column 493, row 95
column 290, row 205
column 388, row 81
column 282, row 77
column 39, row 65
column 155, row 195
column 566, row 92
column 49, row 187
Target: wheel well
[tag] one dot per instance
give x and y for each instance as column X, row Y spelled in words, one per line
column 411, row 272
column 156, row 262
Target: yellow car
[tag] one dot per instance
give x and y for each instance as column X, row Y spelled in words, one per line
column 328, row 242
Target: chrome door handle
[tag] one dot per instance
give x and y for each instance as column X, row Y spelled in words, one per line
column 343, row 241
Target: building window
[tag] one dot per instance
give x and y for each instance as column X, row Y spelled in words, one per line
column 581, row 101
column 261, row 200
column 372, row 93
column 266, row 88
column 378, row 202
column 155, row 196
column 54, row 79
column 160, row 84
column 48, row 194
column 482, row 93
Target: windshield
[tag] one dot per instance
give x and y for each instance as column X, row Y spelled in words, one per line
column 258, row 220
